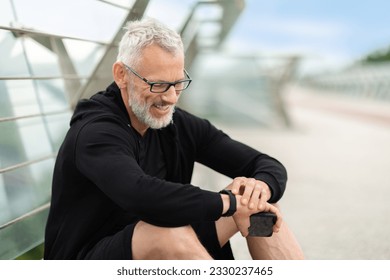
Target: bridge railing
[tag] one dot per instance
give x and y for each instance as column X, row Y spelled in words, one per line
column 361, row 81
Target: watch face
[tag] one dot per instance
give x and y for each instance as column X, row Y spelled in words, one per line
column 262, row 224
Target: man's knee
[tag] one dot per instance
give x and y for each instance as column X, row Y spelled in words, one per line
column 152, row 242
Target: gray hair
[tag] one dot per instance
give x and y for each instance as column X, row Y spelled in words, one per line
column 145, row 32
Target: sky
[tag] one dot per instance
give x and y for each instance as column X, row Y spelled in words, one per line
column 327, row 33
column 335, row 32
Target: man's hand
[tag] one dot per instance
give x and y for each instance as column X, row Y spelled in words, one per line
column 241, row 217
column 254, row 193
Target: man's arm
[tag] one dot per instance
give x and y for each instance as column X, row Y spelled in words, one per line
column 104, row 155
column 234, row 159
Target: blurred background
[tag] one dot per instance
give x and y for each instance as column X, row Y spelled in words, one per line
column 306, row 82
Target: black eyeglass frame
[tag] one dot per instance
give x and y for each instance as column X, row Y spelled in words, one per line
column 151, row 84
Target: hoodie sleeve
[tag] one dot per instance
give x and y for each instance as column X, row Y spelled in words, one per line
column 105, row 153
column 218, row 151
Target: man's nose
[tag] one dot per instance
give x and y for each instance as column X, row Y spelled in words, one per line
column 170, row 96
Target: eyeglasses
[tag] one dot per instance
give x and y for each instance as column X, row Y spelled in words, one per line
column 160, row 87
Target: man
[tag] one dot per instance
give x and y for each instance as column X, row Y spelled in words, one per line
column 121, row 186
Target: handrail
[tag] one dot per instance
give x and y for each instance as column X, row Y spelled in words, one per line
column 64, row 77
column 22, row 31
column 367, row 81
column 7, row 119
column 25, row 216
column 114, row 4
column 26, row 163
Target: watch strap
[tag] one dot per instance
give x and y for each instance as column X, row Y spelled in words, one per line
column 232, row 205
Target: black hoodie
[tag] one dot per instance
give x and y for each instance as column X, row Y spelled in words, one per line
column 99, row 187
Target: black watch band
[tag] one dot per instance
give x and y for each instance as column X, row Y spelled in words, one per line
column 232, row 205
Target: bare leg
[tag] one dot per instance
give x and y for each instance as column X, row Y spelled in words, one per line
column 226, row 228
column 280, row 246
column 152, row 242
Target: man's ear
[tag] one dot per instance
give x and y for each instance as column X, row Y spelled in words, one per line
column 119, row 74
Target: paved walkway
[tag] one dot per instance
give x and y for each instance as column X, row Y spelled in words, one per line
column 338, row 157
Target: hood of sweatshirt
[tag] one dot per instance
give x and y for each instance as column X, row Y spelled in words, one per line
column 105, row 102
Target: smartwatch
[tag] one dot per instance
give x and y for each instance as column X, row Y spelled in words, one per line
column 232, row 205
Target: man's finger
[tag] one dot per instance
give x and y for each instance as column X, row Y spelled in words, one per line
column 249, row 188
column 235, row 186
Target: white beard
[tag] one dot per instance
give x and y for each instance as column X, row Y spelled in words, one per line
column 142, row 111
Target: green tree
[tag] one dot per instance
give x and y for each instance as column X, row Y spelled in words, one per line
column 378, row 56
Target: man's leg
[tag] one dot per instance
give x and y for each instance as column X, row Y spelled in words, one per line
column 226, row 229
column 280, row 246
column 152, row 242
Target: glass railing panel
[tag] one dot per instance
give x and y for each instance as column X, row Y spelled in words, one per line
column 51, row 94
column 43, row 61
column 23, row 140
column 57, row 126
column 22, row 236
column 84, row 55
column 229, row 89
column 13, row 61
column 25, row 188
column 6, row 15
column 17, row 98
column 174, row 14
column 82, row 19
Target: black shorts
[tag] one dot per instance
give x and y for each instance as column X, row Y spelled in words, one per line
column 118, row 246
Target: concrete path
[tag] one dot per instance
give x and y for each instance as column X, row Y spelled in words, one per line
column 338, row 158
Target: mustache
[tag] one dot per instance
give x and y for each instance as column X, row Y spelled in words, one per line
column 162, row 104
